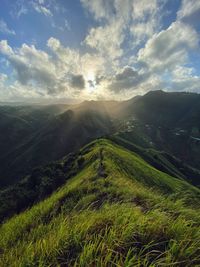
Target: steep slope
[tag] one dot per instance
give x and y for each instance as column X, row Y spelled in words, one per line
column 18, row 125
column 167, row 109
column 34, row 135
column 56, row 136
column 167, row 122
column 161, row 160
column 117, row 210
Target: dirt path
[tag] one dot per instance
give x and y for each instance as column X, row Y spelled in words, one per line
column 101, row 168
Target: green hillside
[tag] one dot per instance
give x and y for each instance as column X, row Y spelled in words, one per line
column 161, row 160
column 165, row 122
column 169, row 121
column 117, row 210
column 44, row 136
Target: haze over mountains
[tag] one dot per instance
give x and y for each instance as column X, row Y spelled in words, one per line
column 163, row 121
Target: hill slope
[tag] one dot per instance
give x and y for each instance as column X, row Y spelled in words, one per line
column 166, row 121
column 32, row 136
column 49, row 138
column 116, row 211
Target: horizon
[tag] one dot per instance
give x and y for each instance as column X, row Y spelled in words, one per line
column 99, row 133
column 74, row 102
column 55, row 50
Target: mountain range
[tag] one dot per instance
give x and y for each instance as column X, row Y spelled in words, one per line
column 34, row 135
column 101, row 183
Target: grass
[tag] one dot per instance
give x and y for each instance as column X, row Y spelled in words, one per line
column 132, row 215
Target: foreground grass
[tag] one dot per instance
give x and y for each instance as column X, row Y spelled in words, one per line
column 129, row 215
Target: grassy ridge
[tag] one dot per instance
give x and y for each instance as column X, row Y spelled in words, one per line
column 118, row 211
column 161, row 160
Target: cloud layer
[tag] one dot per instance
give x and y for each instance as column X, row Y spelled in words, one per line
column 129, row 50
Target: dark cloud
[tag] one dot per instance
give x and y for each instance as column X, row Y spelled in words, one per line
column 91, row 83
column 77, row 81
column 126, row 73
column 26, row 73
column 128, row 78
column 99, row 79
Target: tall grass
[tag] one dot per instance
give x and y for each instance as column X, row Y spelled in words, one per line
column 115, row 220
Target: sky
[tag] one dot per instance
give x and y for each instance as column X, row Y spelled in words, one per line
column 97, row 49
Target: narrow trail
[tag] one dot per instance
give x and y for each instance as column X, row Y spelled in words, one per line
column 101, row 168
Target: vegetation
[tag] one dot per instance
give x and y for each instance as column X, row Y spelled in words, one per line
column 38, row 185
column 44, row 135
column 164, row 122
column 161, row 160
column 116, row 211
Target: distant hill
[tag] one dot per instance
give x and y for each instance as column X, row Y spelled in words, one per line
column 32, row 138
column 166, row 109
column 34, row 135
column 169, row 122
column 104, row 206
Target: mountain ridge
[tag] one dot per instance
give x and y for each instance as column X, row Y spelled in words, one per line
column 43, row 181
column 117, row 210
column 37, row 137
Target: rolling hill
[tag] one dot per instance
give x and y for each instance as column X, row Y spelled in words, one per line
column 115, row 209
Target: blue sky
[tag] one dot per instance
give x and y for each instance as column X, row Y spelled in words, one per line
column 97, row 49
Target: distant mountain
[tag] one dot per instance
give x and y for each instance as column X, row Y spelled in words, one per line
column 31, row 136
column 166, row 121
column 103, row 206
column 166, row 109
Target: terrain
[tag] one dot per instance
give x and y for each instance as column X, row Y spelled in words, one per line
column 101, row 183
column 111, row 208
column 165, row 125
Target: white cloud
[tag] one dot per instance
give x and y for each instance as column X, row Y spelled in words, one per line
column 101, row 9
column 71, row 60
column 53, row 43
column 65, row 72
column 147, row 17
column 185, row 79
column 5, row 29
column 31, row 66
column 22, row 7
column 67, row 25
column 127, row 20
column 169, row 47
column 189, row 11
column 144, row 8
column 19, row 8
column 40, row 8
column 66, row 59
column 107, row 40
column 124, row 54
column 5, row 49
column 3, row 78
column 181, row 72
column 142, row 30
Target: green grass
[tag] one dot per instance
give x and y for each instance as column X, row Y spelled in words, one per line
column 132, row 215
column 161, row 160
